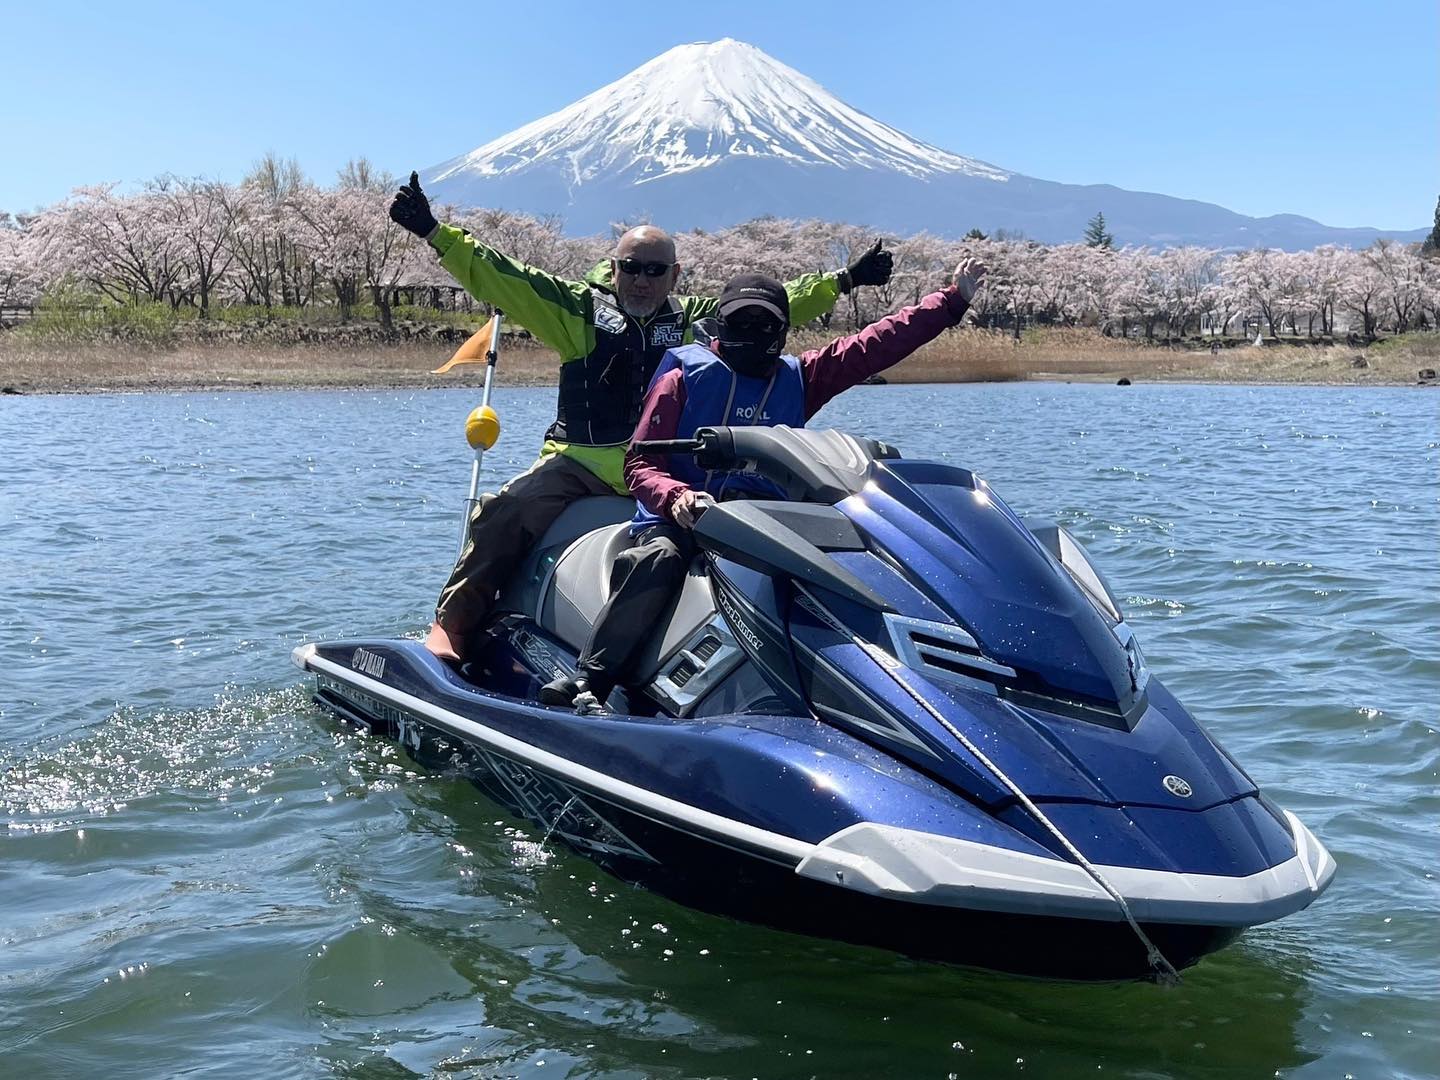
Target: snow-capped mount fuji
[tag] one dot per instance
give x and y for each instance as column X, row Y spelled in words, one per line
column 714, row 133
column 692, row 108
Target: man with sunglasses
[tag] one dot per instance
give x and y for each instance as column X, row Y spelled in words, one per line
column 610, row 331
column 742, row 377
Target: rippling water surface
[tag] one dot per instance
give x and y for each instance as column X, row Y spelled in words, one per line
column 201, row 873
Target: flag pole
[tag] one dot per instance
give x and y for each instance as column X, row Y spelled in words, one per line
column 482, row 427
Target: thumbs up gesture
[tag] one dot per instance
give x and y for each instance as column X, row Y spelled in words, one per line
column 872, row 268
column 411, row 209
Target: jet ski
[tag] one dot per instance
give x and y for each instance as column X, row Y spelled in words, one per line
column 884, row 709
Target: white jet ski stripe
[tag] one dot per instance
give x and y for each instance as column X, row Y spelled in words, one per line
column 788, row 847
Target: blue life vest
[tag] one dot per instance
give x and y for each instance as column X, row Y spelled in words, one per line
column 716, row 396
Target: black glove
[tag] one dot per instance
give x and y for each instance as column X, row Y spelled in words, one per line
column 872, row 268
column 411, row 209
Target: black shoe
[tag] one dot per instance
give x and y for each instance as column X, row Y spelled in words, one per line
column 561, row 693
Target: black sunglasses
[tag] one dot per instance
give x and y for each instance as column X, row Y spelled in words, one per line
column 634, row 267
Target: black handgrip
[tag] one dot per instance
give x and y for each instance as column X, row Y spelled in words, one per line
column 667, row 446
column 714, row 448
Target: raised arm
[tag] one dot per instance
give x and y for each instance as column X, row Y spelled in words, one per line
column 813, row 295
column 849, row 361
column 550, row 307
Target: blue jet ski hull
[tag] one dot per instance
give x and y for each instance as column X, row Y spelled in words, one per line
column 790, row 822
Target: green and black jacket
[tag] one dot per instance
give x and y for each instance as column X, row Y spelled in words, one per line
column 607, row 357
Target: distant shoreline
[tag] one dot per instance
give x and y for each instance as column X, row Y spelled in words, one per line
column 237, row 385
column 960, row 357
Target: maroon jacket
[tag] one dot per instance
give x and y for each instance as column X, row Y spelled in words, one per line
column 829, row 371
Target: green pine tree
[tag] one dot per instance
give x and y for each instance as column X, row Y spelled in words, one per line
column 976, row 234
column 1095, row 234
column 1432, row 242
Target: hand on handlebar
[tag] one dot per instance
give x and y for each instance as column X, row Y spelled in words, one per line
column 689, row 506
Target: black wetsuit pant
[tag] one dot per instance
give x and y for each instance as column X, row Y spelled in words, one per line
column 504, row 529
column 643, row 582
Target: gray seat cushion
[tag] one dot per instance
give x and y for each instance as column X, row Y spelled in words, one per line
column 581, row 584
column 565, row 582
column 522, row 596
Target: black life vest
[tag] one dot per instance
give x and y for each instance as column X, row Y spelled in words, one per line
column 601, row 394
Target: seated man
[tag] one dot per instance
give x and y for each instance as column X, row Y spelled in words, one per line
column 611, row 331
column 741, row 378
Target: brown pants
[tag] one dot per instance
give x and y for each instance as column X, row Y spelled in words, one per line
column 504, row 529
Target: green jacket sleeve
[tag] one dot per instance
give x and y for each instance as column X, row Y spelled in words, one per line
column 551, row 308
column 811, row 295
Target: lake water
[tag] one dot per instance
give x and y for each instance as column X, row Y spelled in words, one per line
column 203, row 874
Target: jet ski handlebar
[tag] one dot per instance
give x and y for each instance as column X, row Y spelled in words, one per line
column 666, row 446
column 712, row 447
column 808, row 466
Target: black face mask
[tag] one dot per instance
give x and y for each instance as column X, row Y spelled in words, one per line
column 751, row 348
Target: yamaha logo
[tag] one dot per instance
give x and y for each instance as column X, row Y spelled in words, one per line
column 1177, row 786
column 368, row 663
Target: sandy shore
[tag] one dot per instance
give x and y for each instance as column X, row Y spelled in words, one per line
column 963, row 356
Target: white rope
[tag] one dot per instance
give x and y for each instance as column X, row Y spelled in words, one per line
column 893, row 667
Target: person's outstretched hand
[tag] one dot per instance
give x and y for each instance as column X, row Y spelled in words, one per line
column 411, row 209
column 872, row 268
column 968, row 277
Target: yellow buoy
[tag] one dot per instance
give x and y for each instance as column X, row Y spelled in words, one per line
column 482, row 427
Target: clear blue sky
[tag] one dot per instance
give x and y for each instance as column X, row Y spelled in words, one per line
column 1327, row 109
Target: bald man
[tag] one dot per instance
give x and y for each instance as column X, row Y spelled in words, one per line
column 610, row 331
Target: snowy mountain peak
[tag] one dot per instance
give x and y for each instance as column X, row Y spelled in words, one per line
column 696, row 106
column 717, row 132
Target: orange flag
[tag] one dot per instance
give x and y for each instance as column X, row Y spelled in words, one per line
column 472, row 351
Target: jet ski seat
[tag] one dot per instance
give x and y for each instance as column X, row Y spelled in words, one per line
column 522, row 596
column 565, row 583
column 580, row 584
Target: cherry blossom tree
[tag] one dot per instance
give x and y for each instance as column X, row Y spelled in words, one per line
column 1187, row 283
column 1257, row 279
column 1059, row 284
column 1363, row 294
column 123, row 246
column 325, row 228
column 1014, row 283
column 200, row 215
column 391, row 256
column 274, row 181
column 1430, row 290
column 1141, row 292
column 269, row 268
column 19, row 282
column 1324, row 274
column 348, row 234
column 1398, row 265
column 1099, row 275
column 277, row 238
column 335, row 229
column 257, row 245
